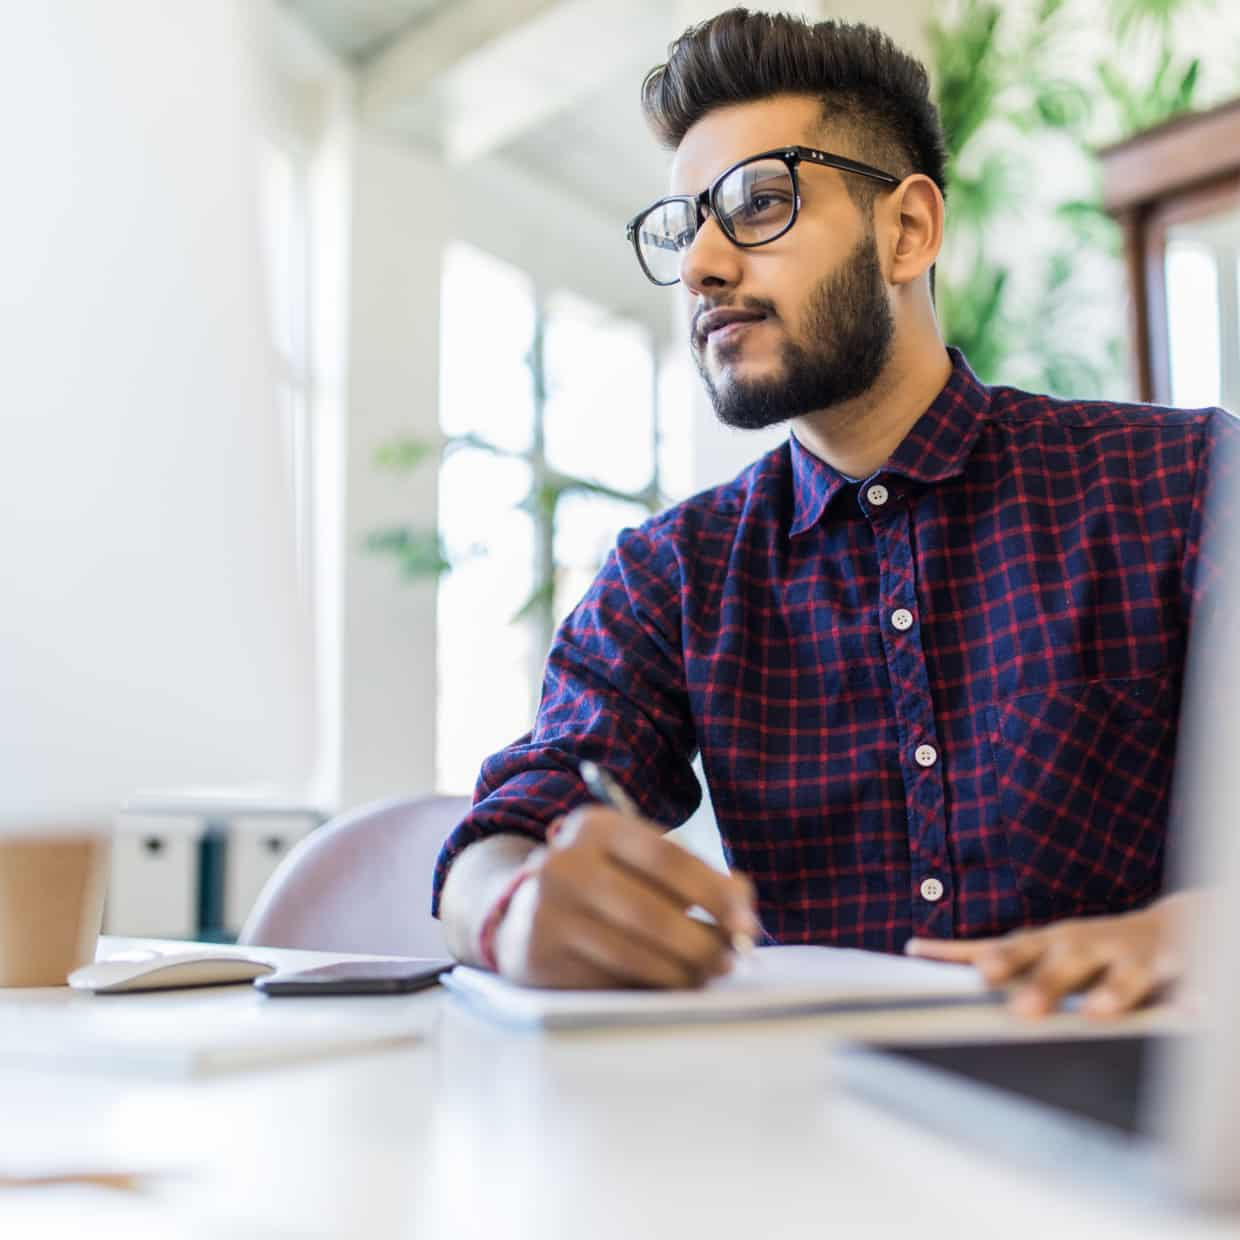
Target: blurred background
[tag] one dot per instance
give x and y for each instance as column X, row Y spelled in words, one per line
column 331, row 377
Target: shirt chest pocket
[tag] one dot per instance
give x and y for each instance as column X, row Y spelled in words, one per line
column 1083, row 772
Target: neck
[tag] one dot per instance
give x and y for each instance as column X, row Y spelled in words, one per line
column 858, row 436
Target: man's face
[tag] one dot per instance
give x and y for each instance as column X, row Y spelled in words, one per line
column 826, row 328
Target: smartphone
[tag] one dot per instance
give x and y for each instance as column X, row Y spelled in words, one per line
column 356, row 977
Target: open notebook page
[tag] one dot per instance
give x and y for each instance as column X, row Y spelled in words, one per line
column 771, row 981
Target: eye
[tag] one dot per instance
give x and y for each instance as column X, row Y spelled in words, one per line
column 764, row 202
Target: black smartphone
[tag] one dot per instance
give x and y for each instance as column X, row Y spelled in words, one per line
column 356, row 977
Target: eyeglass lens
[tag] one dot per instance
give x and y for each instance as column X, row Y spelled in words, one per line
column 753, row 203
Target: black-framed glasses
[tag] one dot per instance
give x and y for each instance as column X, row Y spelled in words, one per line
column 755, row 201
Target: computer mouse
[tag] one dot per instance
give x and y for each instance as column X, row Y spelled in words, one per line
column 167, row 971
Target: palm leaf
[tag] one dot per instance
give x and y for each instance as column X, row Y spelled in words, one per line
column 968, row 70
column 974, row 318
column 1128, row 17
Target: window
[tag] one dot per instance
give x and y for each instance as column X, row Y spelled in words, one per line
column 526, row 496
column 600, row 375
column 1193, row 307
column 484, row 660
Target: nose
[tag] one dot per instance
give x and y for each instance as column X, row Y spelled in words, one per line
column 711, row 261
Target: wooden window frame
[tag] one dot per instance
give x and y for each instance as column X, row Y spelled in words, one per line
column 1182, row 171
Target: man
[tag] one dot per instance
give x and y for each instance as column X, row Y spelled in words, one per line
column 929, row 649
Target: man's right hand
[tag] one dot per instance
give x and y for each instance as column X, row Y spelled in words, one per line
column 608, row 906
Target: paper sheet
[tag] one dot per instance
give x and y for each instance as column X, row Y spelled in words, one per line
column 771, row 981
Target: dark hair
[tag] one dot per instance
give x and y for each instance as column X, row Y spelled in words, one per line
column 877, row 94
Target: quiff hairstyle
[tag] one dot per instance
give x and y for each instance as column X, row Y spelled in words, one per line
column 874, row 96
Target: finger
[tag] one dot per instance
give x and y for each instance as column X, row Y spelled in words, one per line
column 623, row 959
column 635, row 907
column 562, row 970
column 588, row 819
column 640, row 846
column 998, row 960
column 748, row 895
column 1126, row 985
column 1067, row 965
column 728, row 898
column 962, row 951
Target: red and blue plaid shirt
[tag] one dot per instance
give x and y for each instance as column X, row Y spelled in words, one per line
column 941, row 701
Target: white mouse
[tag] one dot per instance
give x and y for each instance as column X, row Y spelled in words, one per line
column 167, row 971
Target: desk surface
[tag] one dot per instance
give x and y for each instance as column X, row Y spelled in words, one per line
column 714, row 1131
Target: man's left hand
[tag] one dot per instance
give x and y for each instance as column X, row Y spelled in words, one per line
column 1119, row 961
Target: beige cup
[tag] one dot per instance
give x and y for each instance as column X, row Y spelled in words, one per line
column 51, row 903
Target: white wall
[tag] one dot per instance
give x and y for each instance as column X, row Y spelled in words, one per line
column 388, row 717
column 151, row 632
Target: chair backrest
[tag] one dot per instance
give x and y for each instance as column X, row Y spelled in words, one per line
column 360, row 883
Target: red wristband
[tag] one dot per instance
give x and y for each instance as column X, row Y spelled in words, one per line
column 491, row 923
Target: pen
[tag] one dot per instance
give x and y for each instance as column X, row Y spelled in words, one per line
column 605, row 787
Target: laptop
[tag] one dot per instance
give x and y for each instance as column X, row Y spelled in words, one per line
column 1155, row 1114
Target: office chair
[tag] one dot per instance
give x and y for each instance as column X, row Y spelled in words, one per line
column 360, row 883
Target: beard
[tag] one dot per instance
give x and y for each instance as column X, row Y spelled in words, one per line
column 850, row 328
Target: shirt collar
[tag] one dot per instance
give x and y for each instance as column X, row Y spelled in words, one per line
column 936, row 448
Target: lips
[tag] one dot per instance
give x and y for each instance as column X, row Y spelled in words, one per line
column 728, row 330
column 718, row 320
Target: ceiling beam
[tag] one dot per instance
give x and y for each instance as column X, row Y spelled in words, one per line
column 482, row 72
column 409, row 64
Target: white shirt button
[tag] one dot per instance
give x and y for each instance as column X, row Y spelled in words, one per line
column 877, row 495
column 931, row 889
column 925, row 755
column 902, row 620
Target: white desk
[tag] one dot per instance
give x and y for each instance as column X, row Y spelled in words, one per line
column 713, row 1131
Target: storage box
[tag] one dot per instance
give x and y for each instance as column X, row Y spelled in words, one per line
column 153, row 882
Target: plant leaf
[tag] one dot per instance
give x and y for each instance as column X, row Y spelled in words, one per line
column 404, row 454
column 419, row 552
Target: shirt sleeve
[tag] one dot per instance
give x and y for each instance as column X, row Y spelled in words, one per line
column 614, row 691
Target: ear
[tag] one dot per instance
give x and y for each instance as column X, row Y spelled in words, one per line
column 914, row 216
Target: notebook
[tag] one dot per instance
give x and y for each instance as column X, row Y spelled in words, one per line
column 772, row 981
